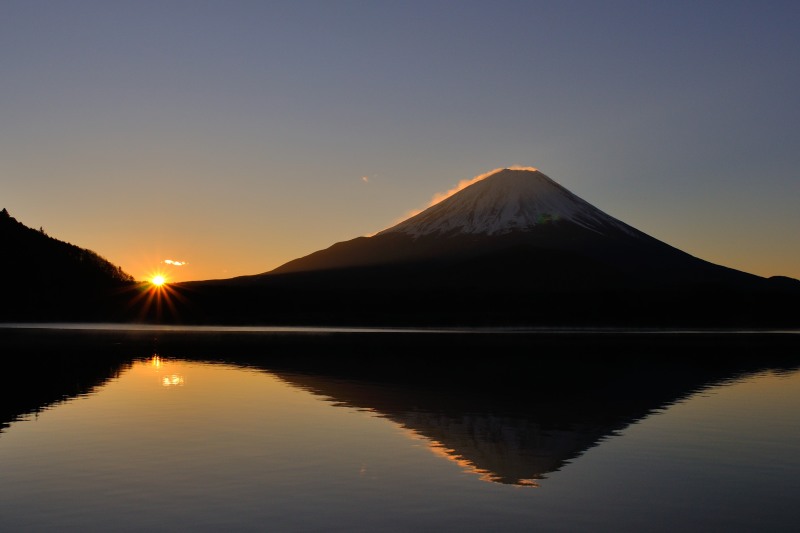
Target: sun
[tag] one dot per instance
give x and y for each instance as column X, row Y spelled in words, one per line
column 156, row 297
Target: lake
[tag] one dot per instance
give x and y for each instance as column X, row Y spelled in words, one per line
column 147, row 428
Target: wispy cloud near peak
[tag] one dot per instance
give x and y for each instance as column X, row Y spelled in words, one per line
column 463, row 184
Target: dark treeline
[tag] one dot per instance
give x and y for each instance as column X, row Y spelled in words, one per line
column 198, row 303
column 690, row 307
column 48, row 279
column 534, row 288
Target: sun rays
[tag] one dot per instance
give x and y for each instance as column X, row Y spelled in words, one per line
column 157, row 299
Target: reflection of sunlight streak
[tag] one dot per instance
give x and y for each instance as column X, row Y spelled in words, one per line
column 440, row 450
column 173, row 380
column 159, row 365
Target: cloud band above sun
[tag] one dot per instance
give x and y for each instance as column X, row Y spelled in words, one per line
column 173, row 262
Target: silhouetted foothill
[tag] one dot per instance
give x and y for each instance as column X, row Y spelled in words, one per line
column 49, row 279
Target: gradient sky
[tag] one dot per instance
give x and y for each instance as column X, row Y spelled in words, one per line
column 237, row 135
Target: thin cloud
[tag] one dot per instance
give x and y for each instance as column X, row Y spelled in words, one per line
column 173, row 263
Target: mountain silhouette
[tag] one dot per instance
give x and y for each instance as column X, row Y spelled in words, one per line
column 49, row 279
column 513, row 247
column 518, row 228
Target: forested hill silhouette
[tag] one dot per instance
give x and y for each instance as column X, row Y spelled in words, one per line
column 49, row 279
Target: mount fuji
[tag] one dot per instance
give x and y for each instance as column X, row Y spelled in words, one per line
column 514, row 228
column 512, row 247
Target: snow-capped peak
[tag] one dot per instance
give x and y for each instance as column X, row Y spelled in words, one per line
column 505, row 201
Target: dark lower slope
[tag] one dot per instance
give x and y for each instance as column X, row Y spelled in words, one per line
column 631, row 257
column 215, row 304
column 521, row 286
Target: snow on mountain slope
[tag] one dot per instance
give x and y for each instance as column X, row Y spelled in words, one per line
column 505, row 201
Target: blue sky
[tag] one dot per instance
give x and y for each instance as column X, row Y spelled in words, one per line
column 235, row 135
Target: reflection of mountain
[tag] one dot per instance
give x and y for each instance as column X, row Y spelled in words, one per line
column 491, row 438
column 45, row 370
column 516, row 429
column 511, row 406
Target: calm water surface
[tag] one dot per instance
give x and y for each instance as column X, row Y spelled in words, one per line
column 159, row 441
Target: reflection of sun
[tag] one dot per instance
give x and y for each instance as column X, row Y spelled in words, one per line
column 158, row 280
